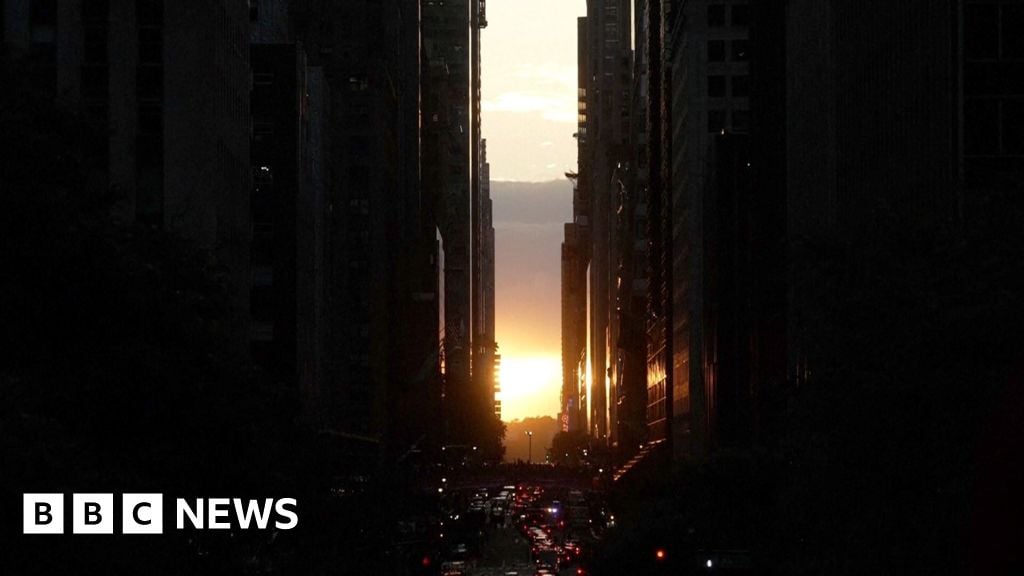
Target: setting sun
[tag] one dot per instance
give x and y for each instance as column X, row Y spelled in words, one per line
column 530, row 386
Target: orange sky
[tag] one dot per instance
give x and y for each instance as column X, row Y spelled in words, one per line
column 528, row 222
column 529, row 117
column 528, row 58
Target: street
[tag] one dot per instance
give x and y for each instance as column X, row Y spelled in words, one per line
column 522, row 521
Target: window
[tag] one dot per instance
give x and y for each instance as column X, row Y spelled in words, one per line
column 716, row 120
column 358, row 144
column 263, row 276
column 359, row 177
column 263, row 125
column 95, row 10
column 740, row 15
column 716, row 86
column 148, row 149
column 150, row 83
column 741, row 86
column 359, row 83
column 741, row 120
column 44, row 13
column 1013, row 37
column 43, row 18
column 261, row 302
column 94, row 44
column 94, row 82
column 149, row 12
column 981, row 31
column 740, row 50
column 981, row 127
column 1013, row 126
column 150, row 120
column 716, row 51
column 99, row 111
column 716, row 16
column 151, row 48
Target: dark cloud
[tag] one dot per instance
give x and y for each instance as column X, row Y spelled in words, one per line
column 528, row 222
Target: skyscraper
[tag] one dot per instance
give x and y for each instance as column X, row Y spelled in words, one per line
column 453, row 162
column 169, row 83
column 607, row 113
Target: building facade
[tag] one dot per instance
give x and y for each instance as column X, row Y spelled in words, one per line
column 170, row 84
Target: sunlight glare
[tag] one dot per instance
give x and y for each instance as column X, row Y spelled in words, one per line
column 530, row 386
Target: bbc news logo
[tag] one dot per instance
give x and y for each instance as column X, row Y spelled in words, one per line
column 143, row 513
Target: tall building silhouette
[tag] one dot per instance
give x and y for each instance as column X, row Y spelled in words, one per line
column 607, row 113
column 169, row 84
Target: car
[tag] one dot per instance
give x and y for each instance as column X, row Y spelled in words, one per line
column 548, row 556
column 573, row 551
column 454, row 569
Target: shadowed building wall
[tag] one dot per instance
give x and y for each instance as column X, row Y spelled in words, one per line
column 169, row 82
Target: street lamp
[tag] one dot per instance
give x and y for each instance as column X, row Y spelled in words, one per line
column 529, row 459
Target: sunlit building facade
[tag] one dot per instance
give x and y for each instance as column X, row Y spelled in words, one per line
column 576, row 259
column 708, row 61
column 607, row 115
column 574, row 318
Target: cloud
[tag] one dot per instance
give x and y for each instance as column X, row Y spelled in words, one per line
column 560, row 78
column 552, row 109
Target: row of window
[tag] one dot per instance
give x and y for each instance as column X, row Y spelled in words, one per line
column 739, row 15
column 717, row 86
column 739, row 50
column 994, row 126
column 992, row 31
column 719, row 120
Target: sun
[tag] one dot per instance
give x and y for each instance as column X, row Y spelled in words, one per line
column 530, row 386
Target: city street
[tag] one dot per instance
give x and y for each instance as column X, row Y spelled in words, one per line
column 524, row 521
column 507, row 551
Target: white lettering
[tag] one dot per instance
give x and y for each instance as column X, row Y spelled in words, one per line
column 219, row 509
column 253, row 510
column 281, row 509
column 195, row 516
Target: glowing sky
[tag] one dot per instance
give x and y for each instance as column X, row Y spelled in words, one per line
column 528, row 223
column 529, row 116
column 528, row 57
